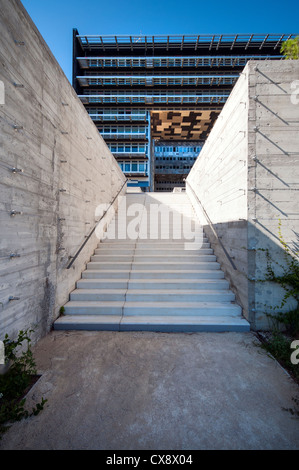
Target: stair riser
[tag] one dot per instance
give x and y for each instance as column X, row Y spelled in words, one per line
column 77, row 296
column 187, row 310
column 161, row 254
column 147, row 237
column 177, row 221
column 184, row 324
column 160, row 285
column 151, row 251
column 165, row 228
column 153, row 258
column 156, row 324
column 156, row 297
column 91, row 310
column 151, row 311
column 144, row 243
column 102, row 284
column 153, row 266
column 95, row 274
column 156, row 240
column 196, row 327
column 152, row 236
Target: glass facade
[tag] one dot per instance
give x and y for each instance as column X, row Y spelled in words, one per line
column 126, row 81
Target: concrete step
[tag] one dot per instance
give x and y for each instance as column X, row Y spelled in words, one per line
column 115, row 274
column 172, row 219
column 147, row 226
column 150, row 274
column 146, row 250
column 151, row 234
column 150, row 295
column 144, row 241
column 157, row 240
column 184, row 324
column 154, row 258
column 151, row 308
column 149, row 241
column 153, row 253
column 103, row 283
column 154, row 284
column 159, row 266
column 152, row 323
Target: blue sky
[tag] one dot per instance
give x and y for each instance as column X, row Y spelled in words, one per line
column 55, row 19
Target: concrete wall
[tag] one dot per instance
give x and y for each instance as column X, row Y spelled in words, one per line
column 273, row 169
column 67, row 172
column 219, row 179
column 247, row 180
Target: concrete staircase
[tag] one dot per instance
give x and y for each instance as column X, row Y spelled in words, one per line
column 153, row 284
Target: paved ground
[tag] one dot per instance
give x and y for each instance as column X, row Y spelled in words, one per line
column 153, row 391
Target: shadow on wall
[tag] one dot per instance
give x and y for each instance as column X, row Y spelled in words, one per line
column 246, row 267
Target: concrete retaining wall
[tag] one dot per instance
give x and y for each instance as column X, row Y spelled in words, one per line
column 273, row 175
column 247, row 180
column 67, row 171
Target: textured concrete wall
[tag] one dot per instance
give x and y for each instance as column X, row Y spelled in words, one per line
column 273, row 169
column 67, row 172
column 247, row 180
column 219, row 179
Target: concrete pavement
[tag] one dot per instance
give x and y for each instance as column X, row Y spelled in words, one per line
column 153, row 391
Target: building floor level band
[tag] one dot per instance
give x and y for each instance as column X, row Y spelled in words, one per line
column 155, row 99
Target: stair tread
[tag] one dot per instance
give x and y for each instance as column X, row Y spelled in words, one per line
column 155, row 318
column 151, row 291
column 184, row 319
column 154, row 257
column 118, row 303
column 145, row 242
column 156, row 274
column 185, row 271
column 155, row 281
column 148, row 262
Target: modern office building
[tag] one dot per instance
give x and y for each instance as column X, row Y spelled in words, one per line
column 173, row 161
column 155, row 99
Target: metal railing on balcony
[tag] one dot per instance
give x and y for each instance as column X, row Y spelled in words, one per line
column 157, row 80
column 191, row 42
column 123, row 135
column 171, row 62
column 155, row 98
column 118, row 117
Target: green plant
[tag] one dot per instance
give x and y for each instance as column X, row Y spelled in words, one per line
column 290, row 48
column 16, row 380
column 289, row 281
column 278, row 343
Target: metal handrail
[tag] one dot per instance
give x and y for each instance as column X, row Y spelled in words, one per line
column 212, row 228
column 94, row 228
